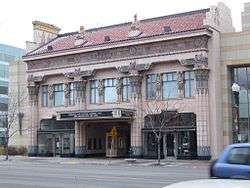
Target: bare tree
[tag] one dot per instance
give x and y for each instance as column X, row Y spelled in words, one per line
column 159, row 115
column 13, row 118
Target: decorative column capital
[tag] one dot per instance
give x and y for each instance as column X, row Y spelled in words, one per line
column 135, row 83
column 158, row 86
column 81, row 89
column 66, row 89
column 119, row 85
column 33, row 88
column 181, row 83
column 51, row 91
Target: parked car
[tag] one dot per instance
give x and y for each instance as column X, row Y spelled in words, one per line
column 212, row 183
column 233, row 163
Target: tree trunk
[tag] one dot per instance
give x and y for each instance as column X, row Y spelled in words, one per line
column 159, row 150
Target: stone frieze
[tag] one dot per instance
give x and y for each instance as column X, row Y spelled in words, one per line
column 122, row 53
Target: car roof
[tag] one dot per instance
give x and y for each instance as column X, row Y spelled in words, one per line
column 240, row 145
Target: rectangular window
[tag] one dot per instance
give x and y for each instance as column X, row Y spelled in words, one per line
column 45, row 96
column 125, row 89
column 169, row 86
column 72, row 94
column 94, row 94
column 151, row 86
column 94, row 143
column 110, row 94
column 58, row 95
column 100, row 143
column 189, row 84
column 89, row 144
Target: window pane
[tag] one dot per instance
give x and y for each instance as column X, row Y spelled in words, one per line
column 110, row 94
column 45, row 96
column 151, row 86
column 170, row 86
column 58, row 95
column 125, row 89
column 94, row 94
column 72, row 94
column 189, row 84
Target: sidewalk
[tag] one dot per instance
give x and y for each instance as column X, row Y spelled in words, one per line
column 102, row 161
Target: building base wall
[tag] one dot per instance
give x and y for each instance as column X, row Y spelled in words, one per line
column 80, row 151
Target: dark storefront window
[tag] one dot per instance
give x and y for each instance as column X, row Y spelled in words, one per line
column 169, row 86
column 189, row 84
column 241, row 76
column 45, row 96
column 72, row 94
column 110, row 94
column 58, row 95
column 94, row 94
column 125, row 89
column 151, row 86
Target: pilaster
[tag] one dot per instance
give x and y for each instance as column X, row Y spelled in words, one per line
column 201, row 72
column 33, row 91
column 80, row 139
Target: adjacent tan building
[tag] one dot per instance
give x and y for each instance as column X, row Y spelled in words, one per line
column 90, row 92
column 235, row 61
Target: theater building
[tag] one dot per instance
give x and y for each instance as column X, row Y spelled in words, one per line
column 91, row 91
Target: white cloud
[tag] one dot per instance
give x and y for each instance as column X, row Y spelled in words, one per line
column 16, row 16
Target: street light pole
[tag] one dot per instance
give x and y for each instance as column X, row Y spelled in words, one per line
column 236, row 90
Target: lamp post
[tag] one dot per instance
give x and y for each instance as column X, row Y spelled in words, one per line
column 236, row 90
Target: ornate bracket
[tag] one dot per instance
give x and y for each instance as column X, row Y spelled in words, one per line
column 133, row 68
column 78, row 74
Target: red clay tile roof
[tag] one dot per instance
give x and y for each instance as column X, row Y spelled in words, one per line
column 149, row 27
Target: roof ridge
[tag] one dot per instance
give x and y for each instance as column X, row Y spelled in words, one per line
column 143, row 20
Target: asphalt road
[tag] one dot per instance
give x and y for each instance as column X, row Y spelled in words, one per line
column 51, row 175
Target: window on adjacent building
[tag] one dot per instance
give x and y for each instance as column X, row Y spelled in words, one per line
column 189, row 84
column 125, row 89
column 110, row 94
column 151, row 86
column 72, row 94
column 94, row 94
column 45, row 96
column 169, row 86
column 58, row 95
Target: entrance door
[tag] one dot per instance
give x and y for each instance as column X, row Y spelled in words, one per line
column 111, row 146
column 170, row 145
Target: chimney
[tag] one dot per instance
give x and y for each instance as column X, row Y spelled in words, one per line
column 42, row 33
column 80, row 37
column 134, row 28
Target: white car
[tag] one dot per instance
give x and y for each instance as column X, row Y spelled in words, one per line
column 212, row 183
